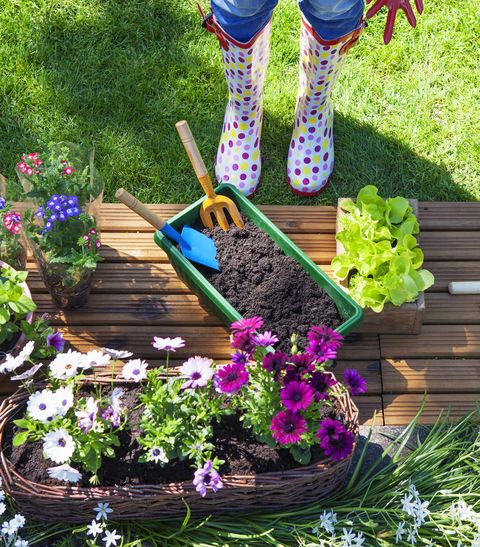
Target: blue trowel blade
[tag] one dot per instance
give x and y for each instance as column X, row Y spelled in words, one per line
column 199, row 248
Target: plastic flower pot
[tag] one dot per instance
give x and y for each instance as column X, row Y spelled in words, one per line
column 350, row 311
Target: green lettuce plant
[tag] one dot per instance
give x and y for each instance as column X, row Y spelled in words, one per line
column 382, row 260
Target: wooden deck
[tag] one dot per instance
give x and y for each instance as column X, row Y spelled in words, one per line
column 136, row 295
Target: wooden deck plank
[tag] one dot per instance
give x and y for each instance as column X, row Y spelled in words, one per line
column 451, row 245
column 445, row 308
column 434, row 341
column 446, row 271
column 453, row 376
column 444, row 215
column 367, row 406
column 401, row 409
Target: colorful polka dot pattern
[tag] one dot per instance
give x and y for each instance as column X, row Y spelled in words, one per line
column 310, row 156
column 238, row 158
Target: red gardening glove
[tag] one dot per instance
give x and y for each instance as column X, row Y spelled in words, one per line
column 393, row 6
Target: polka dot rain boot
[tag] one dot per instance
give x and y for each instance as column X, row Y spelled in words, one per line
column 310, row 156
column 238, row 160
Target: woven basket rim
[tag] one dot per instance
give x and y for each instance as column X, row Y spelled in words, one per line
column 15, row 483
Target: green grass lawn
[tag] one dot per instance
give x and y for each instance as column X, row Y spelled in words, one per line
column 121, row 73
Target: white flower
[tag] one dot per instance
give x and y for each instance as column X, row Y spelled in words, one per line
column 87, row 417
column 421, row 511
column 412, row 536
column 28, row 373
column 21, row 543
column 463, row 512
column 64, row 398
column 348, row 537
column 111, row 538
column 64, row 473
column 12, row 363
column 3, row 508
column 20, row 520
column 328, row 521
column 117, row 354
column 66, row 365
column 42, row 405
column 95, row 528
column 9, row 527
column 400, row 532
column 412, row 489
column 157, row 455
column 94, row 358
column 102, row 510
column 135, row 369
column 58, row 445
column 408, row 504
column 168, row 344
column 2, row 495
column 115, row 399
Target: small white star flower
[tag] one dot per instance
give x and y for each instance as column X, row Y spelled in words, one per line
column 95, row 528
column 64, row 473
column 3, row 508
column 2, row 495
column 111, row 538
column 401, row 531
column 58, row 445
column 9, row 527
column 348, row 538
column 103, row 510
column 20, row 520
column 412, row 536
column 21, row 543
column 328, row 521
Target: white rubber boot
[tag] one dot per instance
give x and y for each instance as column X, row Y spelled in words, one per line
column 238, row 159
column 310, row 156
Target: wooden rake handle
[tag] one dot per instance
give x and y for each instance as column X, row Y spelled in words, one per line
column 195, row 158
column 138, row 207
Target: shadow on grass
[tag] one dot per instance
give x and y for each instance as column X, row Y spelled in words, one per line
column 125, row 73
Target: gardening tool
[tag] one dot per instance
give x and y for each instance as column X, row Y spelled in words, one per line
column 194, row 245
column 464, row 287
column 213, row 204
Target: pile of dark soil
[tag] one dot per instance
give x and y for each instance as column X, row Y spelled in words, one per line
column 257, row 278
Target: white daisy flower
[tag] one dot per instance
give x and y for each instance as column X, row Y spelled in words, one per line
column 157, row 455
column 11, row 363
column 102, row 510
column 64, row 398
column 42, row 405
column 3, row 508
column 111, row 538
column 58, row 445
column 27, row 350
column 95, row 528
column 66, row 365
column 64, row 473
column 21, row 543
column 117, row 354
column 115, row 400
column 94, row 359
column 28, row 373
column 135, row 369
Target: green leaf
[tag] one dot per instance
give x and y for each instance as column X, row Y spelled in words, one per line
column 300, row 454
column 24, row 424
column 4, row 316
column 398, row 208
column 20, row 438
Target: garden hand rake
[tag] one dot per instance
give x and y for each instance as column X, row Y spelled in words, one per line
column 194, row 245
column 213, row 203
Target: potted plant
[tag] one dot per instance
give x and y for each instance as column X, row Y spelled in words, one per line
column 63, row 232
column 12, row 250
column 268, row 430
column 379, row 260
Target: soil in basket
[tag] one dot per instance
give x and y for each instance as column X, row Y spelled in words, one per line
column 257, row 278
column 243, row 455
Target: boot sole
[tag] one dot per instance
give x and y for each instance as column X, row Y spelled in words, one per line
column 310, row 194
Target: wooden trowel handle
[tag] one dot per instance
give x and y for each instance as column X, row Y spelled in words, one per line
column 195, row 157
column 138, row 207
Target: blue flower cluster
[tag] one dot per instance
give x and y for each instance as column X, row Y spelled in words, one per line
column 62, row 207
column 3, row 202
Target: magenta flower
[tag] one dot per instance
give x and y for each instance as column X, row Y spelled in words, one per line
column 243, row 341
column 12, row 223
column 56, row 341
column 168, row 344
column 275, row 362
column 287, row 427
column 265, row 339
column 68, row 170
column 198, row 370
column 335, row 439
column 301, row 364
column 232, row 377
column 250, row 324
column 321, row 382
column 240, row 358
column 325, row 336
column 320, row 352
column 355, row 383
column 296, row 396
column 207, row 477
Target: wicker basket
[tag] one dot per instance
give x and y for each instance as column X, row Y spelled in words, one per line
column 266, row 492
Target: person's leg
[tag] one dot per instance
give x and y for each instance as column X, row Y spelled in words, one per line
column 338, row 24
column 243, row 29
column 242, row 19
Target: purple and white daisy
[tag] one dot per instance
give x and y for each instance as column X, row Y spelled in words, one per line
column 56, row 341
column 250, row 324
column 116, row 354
column 64, row 473
column 198, row 370
column 296, row 396
column 354, row 381
column 232, row 377
column 287, row 427
column 168, row 344
column 240, row 358
column 87, row 418
column 335, row 439
column 207, row 477
column 265, row 339
column 135, row 369
column 95, row 358
column 58, row 445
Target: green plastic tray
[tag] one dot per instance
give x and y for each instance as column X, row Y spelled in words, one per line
column 213, row 300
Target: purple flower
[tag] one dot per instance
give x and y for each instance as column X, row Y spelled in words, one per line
column 301, row 364
column 56, row 341
column 321, row 382
column 320, row 352
column 40, row 212
column 287, row 427
column 296, row 396
column 355, row 383
column 3, row 202
column 110, row 415
column 243, row 340
column 325, row 336
column 232, row 377
column 265, row 339
column 207, row 477
column 250, row 324
column 87, row 417
column 275, row 362
column 240, row 358
column 335, row 439
column 198, row 370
